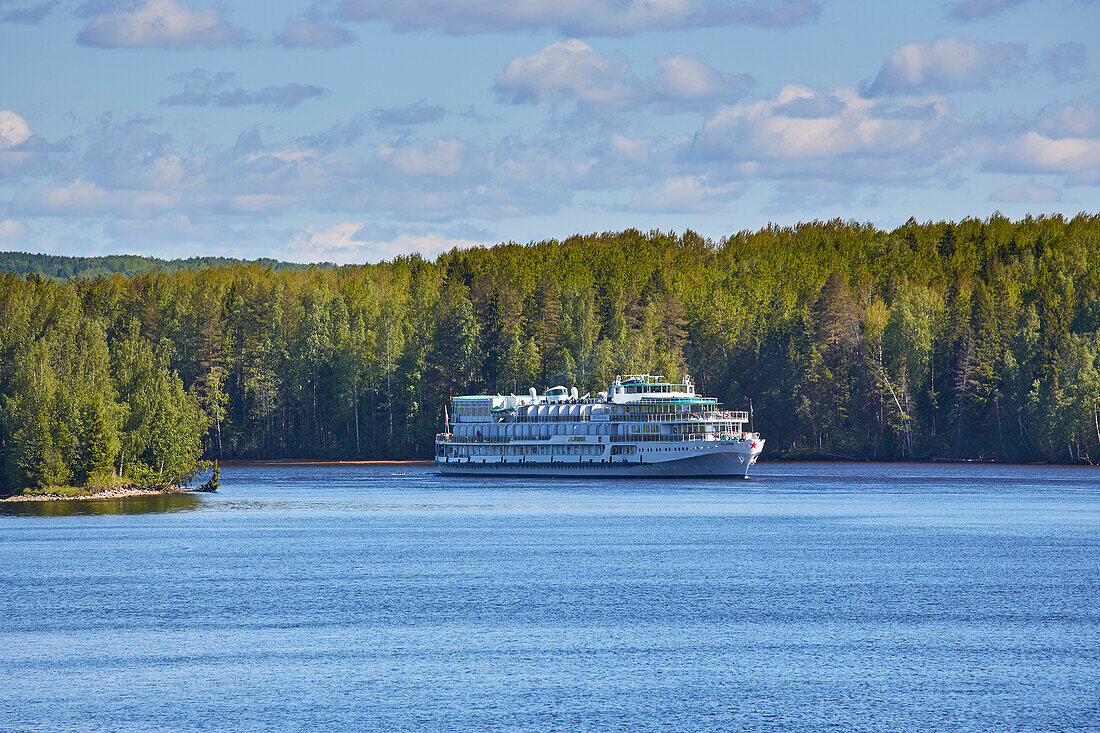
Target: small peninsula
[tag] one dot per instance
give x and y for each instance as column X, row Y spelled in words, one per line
column 69, row 493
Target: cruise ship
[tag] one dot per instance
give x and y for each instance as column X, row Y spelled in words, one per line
column 642, row 426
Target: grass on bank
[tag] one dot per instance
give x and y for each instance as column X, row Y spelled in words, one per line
column 91, row 489
column 110, row 482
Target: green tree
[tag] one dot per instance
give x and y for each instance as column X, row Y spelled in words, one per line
column 39, row 460
column 98, row 444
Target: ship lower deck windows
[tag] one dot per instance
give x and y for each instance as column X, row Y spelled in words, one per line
column 465, row 450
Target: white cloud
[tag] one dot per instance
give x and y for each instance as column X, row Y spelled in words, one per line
column 130, row 171
column 779, row 138
column 574, row 71
column 543, row 169
column 308, row 34
column 579, row 17
column 684, row 194
column 341, row 243
column 317, row 245
column 441, row 158
column 688, row 82
column 22, row 153
column 1080, row 118
column 12, row 230
column 633, row 149
column 563, row 71
column 134, row 156
column 808, row 104
column 765, row 129
column 1026, row 193
column 81, row 198
column 815, row 147
column 1077, row 158
column 13, row 129
column 946, row 65
column 161, row 24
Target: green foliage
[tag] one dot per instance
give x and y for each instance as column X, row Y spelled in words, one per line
column 213, row 483
column 39, row 458
column 79, row 406
column 972, row 339
column 98, row 445
column 62, row 267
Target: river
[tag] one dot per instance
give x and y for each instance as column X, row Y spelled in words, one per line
column 811, row 597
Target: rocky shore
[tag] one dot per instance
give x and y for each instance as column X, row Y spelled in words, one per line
column 107, row 492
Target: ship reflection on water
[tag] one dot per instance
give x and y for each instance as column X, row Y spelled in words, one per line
column 150, row 504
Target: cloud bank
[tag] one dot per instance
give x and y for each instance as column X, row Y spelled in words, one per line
column 161, row 24
column 570, row 18
column 572, row 71
column 946, row 65
column 201, row 88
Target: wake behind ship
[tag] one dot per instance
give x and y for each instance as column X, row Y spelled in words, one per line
column 642, row 426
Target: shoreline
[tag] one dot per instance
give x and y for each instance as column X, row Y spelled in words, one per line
column 244, row 462
column 259, row 462
column 123, row 492
column 111, row 492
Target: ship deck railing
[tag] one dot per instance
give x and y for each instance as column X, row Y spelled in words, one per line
column 640, row 438
column 734, row 416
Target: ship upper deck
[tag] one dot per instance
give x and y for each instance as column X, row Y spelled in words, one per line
column 635, row 398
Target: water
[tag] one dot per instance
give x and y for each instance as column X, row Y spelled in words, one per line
column 815, row 597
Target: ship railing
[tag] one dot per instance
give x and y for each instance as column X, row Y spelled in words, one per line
column 639, row 438
column 734, row 417
column 552, row 418
column 691, row 438
column 602, row 438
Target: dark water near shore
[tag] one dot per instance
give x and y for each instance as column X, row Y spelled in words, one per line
column 815, row 597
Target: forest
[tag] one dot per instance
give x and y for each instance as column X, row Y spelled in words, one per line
column 64, row 267
column 975, row 339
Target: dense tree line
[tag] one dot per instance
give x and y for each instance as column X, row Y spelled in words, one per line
column 64, row 267
column 974, row 339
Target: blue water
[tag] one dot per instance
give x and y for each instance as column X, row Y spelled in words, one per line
column 814, row 597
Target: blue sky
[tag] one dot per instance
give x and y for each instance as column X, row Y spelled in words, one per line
column 355, row 130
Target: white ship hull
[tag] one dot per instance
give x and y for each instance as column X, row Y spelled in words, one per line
column 708, row 458
column 642, row 426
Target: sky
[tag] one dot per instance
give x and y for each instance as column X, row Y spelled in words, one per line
column 359, row 130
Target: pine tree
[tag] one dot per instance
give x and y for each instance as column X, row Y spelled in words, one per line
column 456, row 341
column 546, row 327
column 1054, row 305
column 40, row 461
column 96, row 452
column 671, row 326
